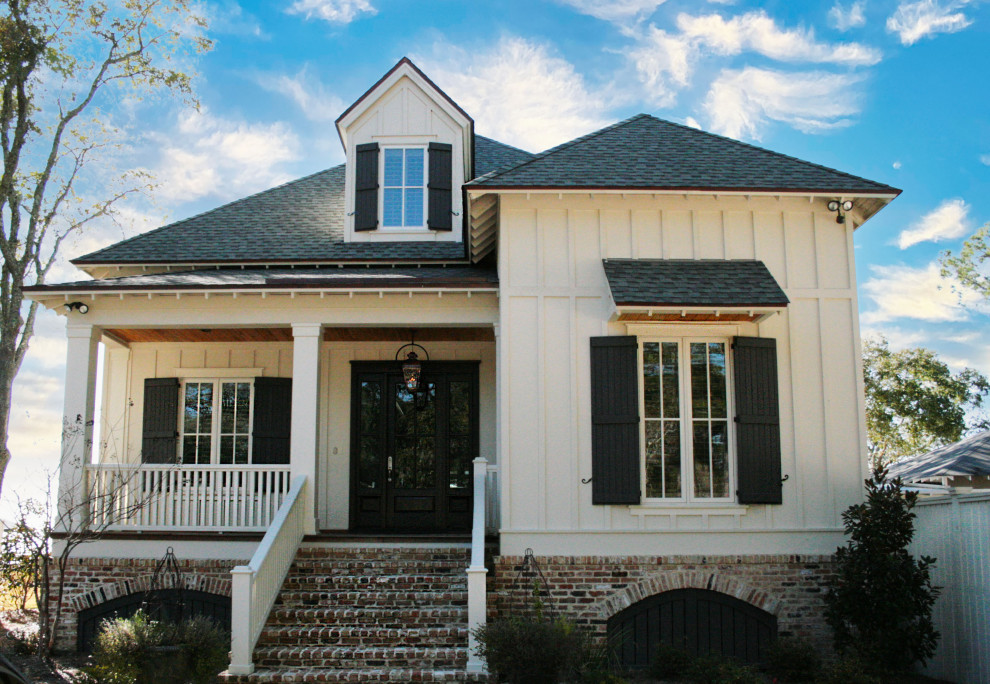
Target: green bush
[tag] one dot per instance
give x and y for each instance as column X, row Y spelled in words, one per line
column 136, row 649
column 847, row 671
column 715, row 669
column 670, row 662
column 793, row 660
column 532, row 651
column 880, row 604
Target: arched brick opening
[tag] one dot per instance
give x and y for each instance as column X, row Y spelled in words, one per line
column 699, row 621
column 134, row 585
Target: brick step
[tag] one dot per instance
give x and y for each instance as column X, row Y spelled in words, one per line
column 381, row 616
column 405, row 675
column 372, row 566
column 359, row 658
column 383, row 599
column 364, row 635
column 418, row 555
column 388, row 582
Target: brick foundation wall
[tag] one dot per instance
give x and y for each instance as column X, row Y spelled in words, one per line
column 591, row 589
column 92, row 581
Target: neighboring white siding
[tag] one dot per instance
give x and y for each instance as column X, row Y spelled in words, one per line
column 554, row 296
column 956, row 532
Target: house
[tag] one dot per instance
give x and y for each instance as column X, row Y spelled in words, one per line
column 636, row 354
column 961, row 466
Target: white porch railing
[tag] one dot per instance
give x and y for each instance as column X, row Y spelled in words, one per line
column 255, row 586
column 184, row 497
column 493, row 512
column 476, row 572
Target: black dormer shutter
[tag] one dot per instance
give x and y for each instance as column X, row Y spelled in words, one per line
column 440, row 186
column 366, row 187
column 272, row 421
column 757, row 420
column 614, row 421
column 160, row 424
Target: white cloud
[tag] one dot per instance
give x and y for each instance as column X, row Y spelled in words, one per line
column 917, row 293
column 985, row 159
column 334, row 11
column 897, row 164
column 739, row 103
column 518, row 91
column 758, row 32
column 913, row 21
column 307, row 91
column 665, row 61
column 692, row 122
column 946, row 222
column 211, row 155
column 844, row 18
column 229, row 17
column 618, row 11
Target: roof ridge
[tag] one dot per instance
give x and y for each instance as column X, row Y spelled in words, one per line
column 562, row 146
column 499, row 142
column 89, row 256
column 766, row 151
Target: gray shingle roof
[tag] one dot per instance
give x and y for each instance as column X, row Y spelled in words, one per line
column 647, row 152
column 689, row 282
column 970, row 456
column 332, row 277
column 302, row 220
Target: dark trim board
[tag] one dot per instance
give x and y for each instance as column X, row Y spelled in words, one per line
column 417, row 496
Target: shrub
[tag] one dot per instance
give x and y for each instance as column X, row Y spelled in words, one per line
column 880, row 604
column 136, row 649
column 532, row 651
column 715, row 669
column 847, row 671
column 670, row 662
column 793, row 660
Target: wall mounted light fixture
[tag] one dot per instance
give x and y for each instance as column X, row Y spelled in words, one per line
column 839, row 207
column 78, row 306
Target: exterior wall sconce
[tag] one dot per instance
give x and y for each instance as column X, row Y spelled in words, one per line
column 412, row 369
column 78, row 306
column 839, row 207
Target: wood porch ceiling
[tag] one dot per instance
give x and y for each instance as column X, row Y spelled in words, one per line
column 354, row 334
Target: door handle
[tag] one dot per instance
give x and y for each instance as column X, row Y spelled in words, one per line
column 389, row 468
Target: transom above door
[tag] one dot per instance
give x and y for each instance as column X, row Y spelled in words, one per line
column 412, row 452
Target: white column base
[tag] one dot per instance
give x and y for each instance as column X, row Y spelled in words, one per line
column 477, row 616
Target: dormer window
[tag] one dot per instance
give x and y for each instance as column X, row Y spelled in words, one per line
column 404, row 187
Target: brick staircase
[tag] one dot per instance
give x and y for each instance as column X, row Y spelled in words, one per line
column 380, row 614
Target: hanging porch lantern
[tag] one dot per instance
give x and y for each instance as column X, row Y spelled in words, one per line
column 412, row 369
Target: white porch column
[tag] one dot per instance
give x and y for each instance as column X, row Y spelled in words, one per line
column 306, row 342
column 77, row 423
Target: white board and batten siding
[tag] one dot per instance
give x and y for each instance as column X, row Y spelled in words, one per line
column 554, row 297
column 955, row 530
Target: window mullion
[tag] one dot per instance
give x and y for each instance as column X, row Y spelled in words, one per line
column 687, row 436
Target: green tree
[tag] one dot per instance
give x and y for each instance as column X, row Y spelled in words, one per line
column 880, row 604
column 60, row 61
column 914, row 403
column 970, row 267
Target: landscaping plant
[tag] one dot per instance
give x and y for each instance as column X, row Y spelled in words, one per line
column 793, row 661
column 532, row 650
column 880, row 603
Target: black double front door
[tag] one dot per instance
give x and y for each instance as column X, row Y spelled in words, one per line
column 412, row 451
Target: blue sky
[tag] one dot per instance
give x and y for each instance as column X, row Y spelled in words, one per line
column 893, row 91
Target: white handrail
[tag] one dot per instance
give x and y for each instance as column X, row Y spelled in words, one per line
column 255, row 586
column 476, row 572
column 141, row 496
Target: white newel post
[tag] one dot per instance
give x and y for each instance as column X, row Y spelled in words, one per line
column 77, row 422
column 241, row 646
column 306, row 341
column 477, row 573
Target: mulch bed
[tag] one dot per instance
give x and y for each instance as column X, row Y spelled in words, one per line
column 17, row 634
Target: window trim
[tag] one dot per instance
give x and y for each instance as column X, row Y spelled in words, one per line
column 423, row 227
column 686, row 420
column 215, row 433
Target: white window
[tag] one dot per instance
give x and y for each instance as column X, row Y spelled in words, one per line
column 404, row 187
column 687, row 434
column 216, row 421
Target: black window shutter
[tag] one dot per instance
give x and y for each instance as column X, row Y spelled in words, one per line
column 272, row 421
column 160, row 424
column 440, row 185
column 757, row 421
column 614, row 420
column 366, row 187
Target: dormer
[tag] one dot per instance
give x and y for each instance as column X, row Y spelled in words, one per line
column 409, row 151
